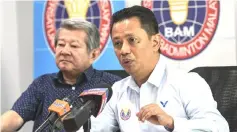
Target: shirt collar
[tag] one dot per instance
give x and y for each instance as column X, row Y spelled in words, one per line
column 132, row 84
column 89, row 73
column 86, row 75
column 158, row 73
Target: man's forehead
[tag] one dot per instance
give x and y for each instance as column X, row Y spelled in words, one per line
column 126, row 25
column 122, row 24
column 126, row 22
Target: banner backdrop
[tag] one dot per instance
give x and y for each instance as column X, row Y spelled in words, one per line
column 193, row 32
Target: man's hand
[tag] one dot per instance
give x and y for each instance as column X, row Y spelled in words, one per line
column 154, row 114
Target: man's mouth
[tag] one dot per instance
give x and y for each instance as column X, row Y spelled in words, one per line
column 65, row 61
column 126, row 61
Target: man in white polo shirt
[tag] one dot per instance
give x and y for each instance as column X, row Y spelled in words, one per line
column 154, row 98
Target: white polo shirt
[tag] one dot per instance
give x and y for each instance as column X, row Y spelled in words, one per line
column 184, row 96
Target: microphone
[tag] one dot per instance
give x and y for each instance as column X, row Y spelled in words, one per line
column 94, row 101
column 57, row 109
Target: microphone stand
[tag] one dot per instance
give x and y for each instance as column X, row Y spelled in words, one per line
column 42, row 126
column 87, row 125
column 57, row 125
column 46, row 123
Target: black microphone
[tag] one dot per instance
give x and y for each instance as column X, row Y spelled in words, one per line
column 94, row 101
column 57, row 109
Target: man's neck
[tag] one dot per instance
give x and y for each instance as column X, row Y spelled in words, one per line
column 70, row 78
column 142, row 76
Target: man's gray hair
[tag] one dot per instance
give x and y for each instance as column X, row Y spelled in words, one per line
column 93, row 35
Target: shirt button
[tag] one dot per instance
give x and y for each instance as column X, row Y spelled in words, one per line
column 73, row 88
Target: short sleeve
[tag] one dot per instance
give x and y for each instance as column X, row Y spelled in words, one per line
column 27, row 104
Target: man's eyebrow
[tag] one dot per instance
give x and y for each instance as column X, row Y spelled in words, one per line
column 115, row 38
column 61, row 39
column 127, row 35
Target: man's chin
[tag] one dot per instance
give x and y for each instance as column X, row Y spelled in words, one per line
column 64, row 69
column 129, row 70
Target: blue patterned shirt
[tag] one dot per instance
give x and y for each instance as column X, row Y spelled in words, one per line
column 34, row 102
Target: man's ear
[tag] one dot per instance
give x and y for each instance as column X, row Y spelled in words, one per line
column 94, row 54
column 156, row 42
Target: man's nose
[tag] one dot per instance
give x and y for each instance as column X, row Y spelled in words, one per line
column 125, row 49
column 66, row 50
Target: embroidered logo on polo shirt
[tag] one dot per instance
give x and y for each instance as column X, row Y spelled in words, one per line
column 163, row 103
column 125, row 113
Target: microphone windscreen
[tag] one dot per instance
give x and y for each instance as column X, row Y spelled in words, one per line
column 105, row 85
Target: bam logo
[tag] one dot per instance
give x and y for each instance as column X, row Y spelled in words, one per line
column 98, row 12
column 186, row 27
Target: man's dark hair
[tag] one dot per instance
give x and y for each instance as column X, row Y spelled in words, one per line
column 146, row 18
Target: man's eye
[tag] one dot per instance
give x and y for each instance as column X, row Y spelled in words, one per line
column 132, row 40
column 61, row 44
column 117, row 44
column 73, row 46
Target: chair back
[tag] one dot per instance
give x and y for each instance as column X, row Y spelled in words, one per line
column 223, row 84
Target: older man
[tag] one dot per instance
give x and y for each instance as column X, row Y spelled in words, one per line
column 77, row 46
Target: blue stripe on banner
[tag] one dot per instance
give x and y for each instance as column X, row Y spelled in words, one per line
column 108, row 59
